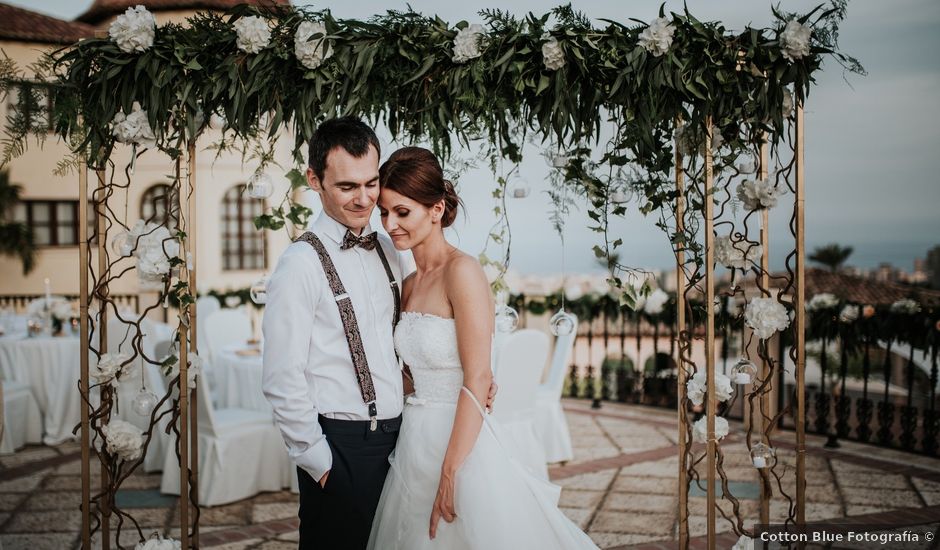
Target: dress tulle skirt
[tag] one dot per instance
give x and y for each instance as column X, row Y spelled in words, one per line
column 498, row 502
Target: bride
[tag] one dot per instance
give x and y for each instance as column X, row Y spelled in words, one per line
column 449, row 463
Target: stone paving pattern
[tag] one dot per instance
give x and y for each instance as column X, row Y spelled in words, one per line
column 622, row 488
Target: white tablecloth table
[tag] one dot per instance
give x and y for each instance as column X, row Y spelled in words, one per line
column 235, row 379
column 51, row 367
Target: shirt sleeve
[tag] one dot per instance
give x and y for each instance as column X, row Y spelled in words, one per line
column 289, row 313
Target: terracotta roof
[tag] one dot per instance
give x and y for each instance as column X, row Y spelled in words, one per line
column 103, row 9
column 864, row 291
column 28, row 26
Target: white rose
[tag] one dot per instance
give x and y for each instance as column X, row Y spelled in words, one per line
column 766, row 316
column 737, row 255
column 133, row 127
column 655, row 302
column 849, row 313
column 552, row 54
column 195, row 369
column 906, row 306
column 123, row 439
column 757, row 194
column 156, row 542
column 110, row 368
column 696, row 388
column 700, row 429
column 134, row 30
column 311, row 53
column 467, row 43
column 252, row 34
column 795, row 40
column 657, row 37
column 823, row 300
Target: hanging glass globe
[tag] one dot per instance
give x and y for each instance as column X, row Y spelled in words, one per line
column 260, row 185
column 562, row 323
column 559, row 160
column 762, row 455
column 144, row 402
column 122, row 244
column 217, row 121
column 507, row 319
column 259, row 291
column 743, row 372
column 520, row 189
column 747, row 166
column 621, row 196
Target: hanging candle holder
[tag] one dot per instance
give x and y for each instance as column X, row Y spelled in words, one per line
column 507, row 318
column 744, row 371
column 562, row 323
column 260, row 185
column 762, row 455
column 144, row 402
column 259, row 290
column 519, row 189
column 122, row 244
column 621, row 196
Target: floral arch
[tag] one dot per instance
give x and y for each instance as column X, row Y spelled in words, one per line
column 706, row 129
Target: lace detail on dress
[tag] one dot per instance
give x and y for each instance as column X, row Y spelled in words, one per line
column 428, row 344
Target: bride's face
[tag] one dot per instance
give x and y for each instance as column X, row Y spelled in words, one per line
column 407, row 221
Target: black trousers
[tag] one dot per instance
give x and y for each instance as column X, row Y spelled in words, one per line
column 339, row 515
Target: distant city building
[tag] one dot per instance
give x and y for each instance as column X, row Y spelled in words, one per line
column 932, row 266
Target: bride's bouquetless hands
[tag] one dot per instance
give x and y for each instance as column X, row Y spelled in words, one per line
column 443, row 503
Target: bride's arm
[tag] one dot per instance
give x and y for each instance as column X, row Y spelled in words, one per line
column 469, row 295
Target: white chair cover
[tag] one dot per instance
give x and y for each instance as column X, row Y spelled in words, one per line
column 22, row 421
column 205, row 306
column 224, row 328
column 241, row 454
column 550, row 422
column 520, row 362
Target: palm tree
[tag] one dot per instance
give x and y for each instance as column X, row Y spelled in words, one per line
column 832, row 256
column 16, row 239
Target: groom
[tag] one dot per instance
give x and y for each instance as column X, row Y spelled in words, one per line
column 330, row 369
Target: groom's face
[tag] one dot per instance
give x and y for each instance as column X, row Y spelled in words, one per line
column 349, row 187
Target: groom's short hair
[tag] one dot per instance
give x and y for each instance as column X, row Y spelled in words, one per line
column 348, row 132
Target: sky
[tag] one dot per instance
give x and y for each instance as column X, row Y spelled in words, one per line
column 870, row 140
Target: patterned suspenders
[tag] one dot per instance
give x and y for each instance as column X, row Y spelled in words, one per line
column 348, row 316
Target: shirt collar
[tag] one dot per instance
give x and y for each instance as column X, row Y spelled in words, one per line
column 327, row 226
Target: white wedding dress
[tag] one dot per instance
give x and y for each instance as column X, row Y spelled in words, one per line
column 498, row 502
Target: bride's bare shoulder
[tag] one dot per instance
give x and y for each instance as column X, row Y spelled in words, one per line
column 464, row 271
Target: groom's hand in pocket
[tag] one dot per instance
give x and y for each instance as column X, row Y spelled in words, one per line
column 322, row 481
column 491, row 396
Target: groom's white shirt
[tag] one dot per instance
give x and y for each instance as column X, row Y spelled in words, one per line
column 307, row 366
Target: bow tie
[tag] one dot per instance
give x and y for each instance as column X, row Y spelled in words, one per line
column 366, row 241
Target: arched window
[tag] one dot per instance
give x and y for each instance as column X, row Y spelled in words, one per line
column 160, row 205
column 241, row 242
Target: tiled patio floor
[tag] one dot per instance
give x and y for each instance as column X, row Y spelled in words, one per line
column 621, row 487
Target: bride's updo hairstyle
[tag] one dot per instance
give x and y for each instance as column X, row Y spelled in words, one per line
column 415, row 173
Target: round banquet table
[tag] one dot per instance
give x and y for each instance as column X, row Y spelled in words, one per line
column 235, row 379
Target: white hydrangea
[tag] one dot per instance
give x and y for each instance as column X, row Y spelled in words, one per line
column 154, row 249
column 757, row 194
column 133, row 127
column 195, row 369
column 467, row 43
column 795, row 40
column 552, row 54
column 823, row 300
column 252, row 34
column 134, row 30
column 311, row 53
column 849, row 313
column 690, row 141
column 766, row 316
column 906, row 306
column 123, row 439
column 700, row 429
column 110, row 368
column 655, row 302
column 786, row 108
column 696, row 386
column 744, row 543
column 737, row 255
column 157, row 542
column 657, row 37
